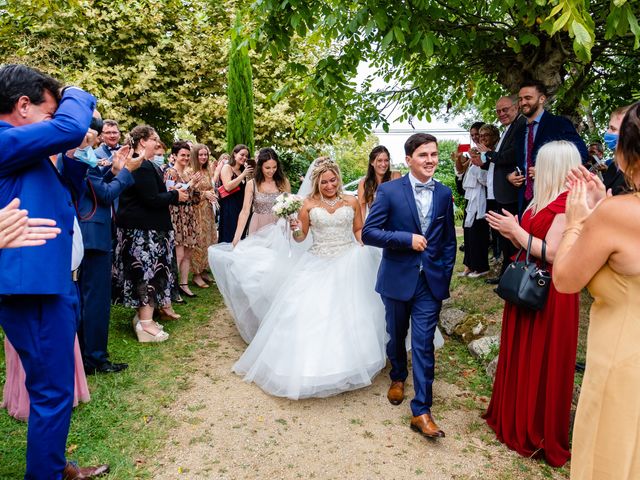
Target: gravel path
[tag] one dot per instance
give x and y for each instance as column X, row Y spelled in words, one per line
column 228, row 429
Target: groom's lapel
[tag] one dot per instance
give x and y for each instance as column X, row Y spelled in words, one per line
column 408, row 193
column 434, row 204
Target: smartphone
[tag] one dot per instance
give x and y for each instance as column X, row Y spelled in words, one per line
column 170, row 183
column 463, row 147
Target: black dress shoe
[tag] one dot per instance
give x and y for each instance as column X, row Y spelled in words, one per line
column 106, row 367
column 493, row 281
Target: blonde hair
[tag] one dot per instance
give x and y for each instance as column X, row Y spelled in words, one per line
column 321, row 166
column 553, row 163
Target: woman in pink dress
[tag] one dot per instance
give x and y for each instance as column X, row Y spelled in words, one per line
column 15, row 397
column 261, row 193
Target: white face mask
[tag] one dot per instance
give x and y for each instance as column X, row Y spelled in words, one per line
column 158, row 160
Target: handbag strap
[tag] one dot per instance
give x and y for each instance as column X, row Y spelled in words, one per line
column 544, row 251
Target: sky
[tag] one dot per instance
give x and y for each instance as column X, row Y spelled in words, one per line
column 400, row 131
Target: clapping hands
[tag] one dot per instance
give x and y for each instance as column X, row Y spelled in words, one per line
column 18, row 230
column 507, row 224
column 586, row 191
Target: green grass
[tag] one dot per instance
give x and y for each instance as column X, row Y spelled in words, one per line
column 126, row 420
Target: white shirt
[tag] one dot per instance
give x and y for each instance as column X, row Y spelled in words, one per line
column 77, row 247
column 423, row 199
column 492, row 166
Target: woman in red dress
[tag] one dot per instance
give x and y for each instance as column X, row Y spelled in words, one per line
column 533, row 388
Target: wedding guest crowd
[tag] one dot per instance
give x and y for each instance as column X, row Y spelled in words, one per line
column 119, row 221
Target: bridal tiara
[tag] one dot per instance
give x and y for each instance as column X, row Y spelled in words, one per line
column 322, row 164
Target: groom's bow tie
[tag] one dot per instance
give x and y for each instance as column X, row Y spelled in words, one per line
column 424, row 186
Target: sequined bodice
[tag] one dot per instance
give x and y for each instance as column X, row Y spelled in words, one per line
column 332, row 232
column 263, row 202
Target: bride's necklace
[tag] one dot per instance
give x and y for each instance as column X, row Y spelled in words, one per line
column 331, row 203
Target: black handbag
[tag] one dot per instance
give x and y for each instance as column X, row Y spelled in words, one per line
column 524, row 283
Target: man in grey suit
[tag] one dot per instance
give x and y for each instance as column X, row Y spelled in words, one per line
column 501, row 164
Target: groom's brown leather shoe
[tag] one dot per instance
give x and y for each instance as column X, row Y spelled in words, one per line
column 395, row 395
column 73, row 472
column 424, row 425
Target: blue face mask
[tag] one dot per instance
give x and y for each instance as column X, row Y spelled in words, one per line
column 86, row 155
column 611, row 140
column 158, row 160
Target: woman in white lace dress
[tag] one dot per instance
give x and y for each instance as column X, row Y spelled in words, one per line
column 324, row 332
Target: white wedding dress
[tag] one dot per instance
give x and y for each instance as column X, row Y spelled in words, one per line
column 324, row 332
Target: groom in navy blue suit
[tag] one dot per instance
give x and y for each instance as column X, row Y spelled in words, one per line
column 411, row 219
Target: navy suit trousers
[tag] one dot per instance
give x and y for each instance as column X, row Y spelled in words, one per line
column 95, row 288
column 423, row 310
column 42, row 329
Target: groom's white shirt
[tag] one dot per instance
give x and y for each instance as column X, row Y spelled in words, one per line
column 423, row 199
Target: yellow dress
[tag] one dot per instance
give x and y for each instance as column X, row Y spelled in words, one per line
column 606, row 436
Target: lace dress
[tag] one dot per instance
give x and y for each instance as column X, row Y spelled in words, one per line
column 324, row 331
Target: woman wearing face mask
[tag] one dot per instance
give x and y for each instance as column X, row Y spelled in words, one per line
column 613, row 178
column 158, row 157
column 379, row 171
column 145, row 269
column 233, row 177
column 261, row 193
column 183, row 215
column 207, row 233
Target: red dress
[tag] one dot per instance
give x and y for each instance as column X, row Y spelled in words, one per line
column 533, row 388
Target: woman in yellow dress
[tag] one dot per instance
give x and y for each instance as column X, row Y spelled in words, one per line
column 599, row 250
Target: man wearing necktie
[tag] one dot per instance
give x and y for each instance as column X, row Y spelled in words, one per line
column 411, row 219
column 541, row 127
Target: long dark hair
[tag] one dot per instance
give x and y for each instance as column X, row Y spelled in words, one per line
column 629, row 144
column 236, row 149
column 370, row 182
column 264, row 155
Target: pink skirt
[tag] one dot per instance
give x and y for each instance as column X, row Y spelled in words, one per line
column 15, row 396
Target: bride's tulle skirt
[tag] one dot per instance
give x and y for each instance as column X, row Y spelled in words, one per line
column 249, row 275
column 325, row 331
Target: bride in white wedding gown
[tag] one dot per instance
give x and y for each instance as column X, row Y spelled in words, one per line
column 324, row 332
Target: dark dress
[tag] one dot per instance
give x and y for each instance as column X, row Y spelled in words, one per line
column 533, row 388
column 230, row 208
column 145, row 271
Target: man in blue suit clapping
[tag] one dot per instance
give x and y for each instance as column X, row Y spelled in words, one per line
column 95, row 208
column 38, row 298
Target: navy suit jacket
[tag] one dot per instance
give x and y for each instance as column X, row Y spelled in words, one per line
column 27, row 173
column 390, row 225
column 551, row 128
column 96, row 230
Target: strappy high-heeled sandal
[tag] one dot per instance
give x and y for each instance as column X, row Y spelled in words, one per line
column 136, row 319
column 146, row 337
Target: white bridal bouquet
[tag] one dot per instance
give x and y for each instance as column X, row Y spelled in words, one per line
column 287, row 206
